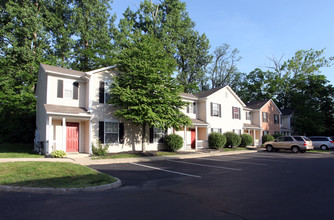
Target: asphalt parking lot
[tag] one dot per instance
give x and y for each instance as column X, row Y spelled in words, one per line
column 258, row 185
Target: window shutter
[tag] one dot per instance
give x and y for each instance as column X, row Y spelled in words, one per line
column 188, row 108
column 121, row 133
column 220, row 130
column 232, row 112
column 239, row 113
column 101, row 132
column 220, row 110
column 60, row 88
column 75, row 90
column 211, row 130
column 101, row 92
column 151, row 134
column 211, row 104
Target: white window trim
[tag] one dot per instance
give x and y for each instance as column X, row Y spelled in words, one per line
column 213, row 109
column 163, row 132
column 104, row 132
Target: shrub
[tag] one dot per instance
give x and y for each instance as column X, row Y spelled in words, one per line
column 58, row 154
column 246, row 140
column 216, row 140
column 267, row 138
column 232, row 139
column 100, row 150
column 277, row 135
column 173, row 142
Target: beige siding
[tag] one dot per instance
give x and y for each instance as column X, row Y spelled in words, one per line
column 270, row 126
column 202, row 107
column 41, row 100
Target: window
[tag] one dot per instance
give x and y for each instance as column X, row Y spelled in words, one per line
column 237, row 131
column 104, row 92
column 236, row 113
column 265, row 132
column 248, row 115
column 215, row 109
column 111, row 132
column 157, row 134
column 276, row 119
column 191, row 107
column 298, row 138
column 218, row 130
column 67, row 89
column 264, row 116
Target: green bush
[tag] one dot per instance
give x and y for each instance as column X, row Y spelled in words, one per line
column 173, row 142
column 246, row 140
column 266, row 138
column 216, row 140
column 58, row 154
column 277, row 135
column 100, row 150
column 232, row 139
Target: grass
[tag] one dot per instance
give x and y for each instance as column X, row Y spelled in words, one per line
column 235, row 149
column 18, row 151
column 51, row 174
column 319, row 151
column 136, row 154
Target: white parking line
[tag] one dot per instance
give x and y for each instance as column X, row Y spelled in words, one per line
column 203, row 165
column 231, row 161
column 253, row 158
column 169, row 171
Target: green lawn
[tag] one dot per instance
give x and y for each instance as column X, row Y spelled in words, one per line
column 18, row 151
column 51, row 174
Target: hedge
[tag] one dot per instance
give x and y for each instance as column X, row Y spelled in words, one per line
column 232, row 139
column 216, row 140
column 246, row 140
column 173, row 142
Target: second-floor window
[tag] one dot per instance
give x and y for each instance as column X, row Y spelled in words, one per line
column 276, row 119
column 191, row 107
column 67, row 89
column 264, row 116
column 104, row 92
column 248, row 116
column 215, row 109
column 236, row 113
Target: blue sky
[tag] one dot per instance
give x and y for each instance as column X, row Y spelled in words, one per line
column 261, row 28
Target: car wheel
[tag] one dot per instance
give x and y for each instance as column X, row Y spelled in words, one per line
column 269, row 148
column 294, row 149
column 323, row 147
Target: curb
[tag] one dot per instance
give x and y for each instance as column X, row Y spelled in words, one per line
column 113, row 185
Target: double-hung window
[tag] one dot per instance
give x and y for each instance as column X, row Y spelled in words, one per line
column 217, row 130
column 276, row 119
column 264, row 116
column 215, row 109
column 104, row 91
column 236, row 113
column 191, row 107
column 157, row 134
column 67, row 89
column 111, row 132
column 248, row 116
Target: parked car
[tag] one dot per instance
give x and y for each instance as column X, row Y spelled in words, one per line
column 294, row 143
column 322, row 142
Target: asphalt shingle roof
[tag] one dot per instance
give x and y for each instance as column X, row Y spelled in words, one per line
column 256, row 104
column 61, row 70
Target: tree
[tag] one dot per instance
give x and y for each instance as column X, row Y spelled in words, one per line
column 223, row 70
column 169, row 21
column 144, row 90
column 93, row 27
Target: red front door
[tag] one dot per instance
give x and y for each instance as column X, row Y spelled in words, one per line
column 72, row 137
column 193, row 138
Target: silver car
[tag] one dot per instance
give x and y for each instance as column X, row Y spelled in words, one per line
column 322, row 142
column 294, row 143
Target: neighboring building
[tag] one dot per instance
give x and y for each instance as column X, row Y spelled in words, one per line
column 287, row 115
column 266, row 116
column 73, row 114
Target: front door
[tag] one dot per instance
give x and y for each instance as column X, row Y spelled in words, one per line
column 193, row 138
column 72, row 137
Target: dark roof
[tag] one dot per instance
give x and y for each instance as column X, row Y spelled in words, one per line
column 188, row 95
column 65, row 109
column 208, row 92
column 286, row 111
column 61, row 70
column 256, row 104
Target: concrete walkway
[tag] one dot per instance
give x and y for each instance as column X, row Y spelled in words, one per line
column 86, row 159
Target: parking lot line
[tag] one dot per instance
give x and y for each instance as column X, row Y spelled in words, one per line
column 254, row 158
column 259, row 164
column 168, row 171
column 203, row 165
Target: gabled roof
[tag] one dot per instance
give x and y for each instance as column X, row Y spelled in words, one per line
column 60, row 70
column 257, row 104
column 188, row 95
column 208, row 92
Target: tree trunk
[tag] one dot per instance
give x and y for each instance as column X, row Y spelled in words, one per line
column 143, row 138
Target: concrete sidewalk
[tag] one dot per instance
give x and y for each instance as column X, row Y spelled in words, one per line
column 86, row 159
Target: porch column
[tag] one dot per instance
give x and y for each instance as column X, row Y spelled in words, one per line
column 50, row 134
column 64, row 135
column 90, row 137
column 185, row 137
column 254, row 137
column 196, row 138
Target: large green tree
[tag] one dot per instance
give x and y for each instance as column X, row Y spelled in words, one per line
column 145, row 91
column 169, row 21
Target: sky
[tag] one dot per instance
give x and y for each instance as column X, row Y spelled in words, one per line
column 261, row 29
